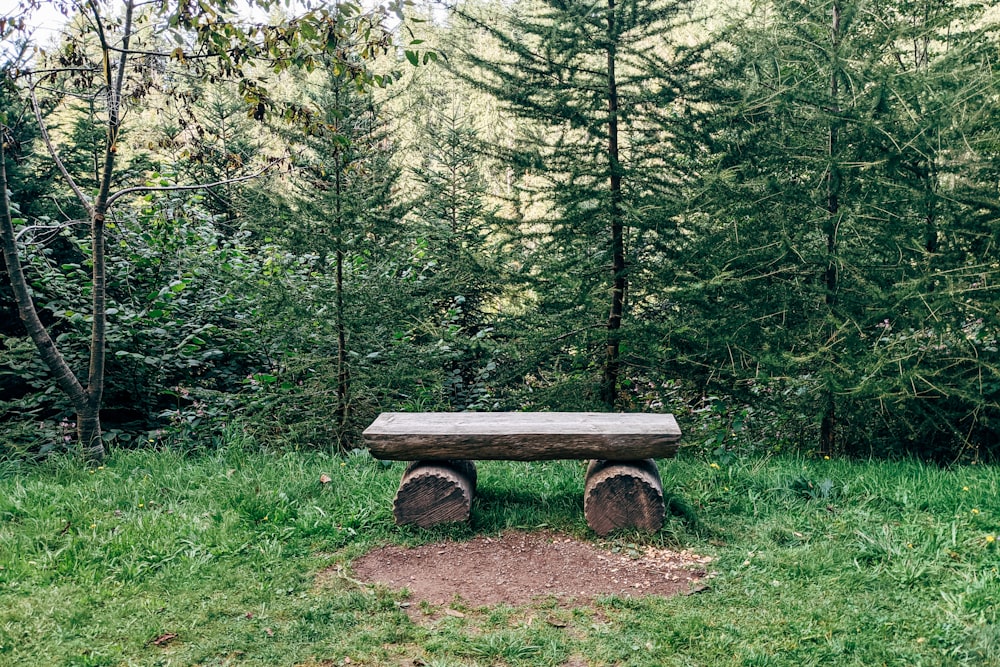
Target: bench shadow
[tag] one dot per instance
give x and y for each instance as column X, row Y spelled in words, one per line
column 678, row 506
column 506, row 508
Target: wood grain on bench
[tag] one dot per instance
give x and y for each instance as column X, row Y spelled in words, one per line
column 522, row 436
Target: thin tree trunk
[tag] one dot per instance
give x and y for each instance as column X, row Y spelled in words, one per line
column 88, row 418
column 828, row 424
column 65, row 379
column 88, row 429
column 86, row 400
column 930, row 217
column 83, row 401
column 343, row 370
column 612, row 361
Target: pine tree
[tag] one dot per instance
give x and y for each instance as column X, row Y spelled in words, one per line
column 832, row 153
column 601, row 93
column 458, row 223
column 343, row 209
column 936, row 369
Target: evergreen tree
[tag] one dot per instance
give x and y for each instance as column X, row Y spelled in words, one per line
column 935, row 368
column 601, row 93
column 458, row 224
column 319, row 307
column 827, row 163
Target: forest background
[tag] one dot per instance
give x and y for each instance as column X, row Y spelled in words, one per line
column 778, row 221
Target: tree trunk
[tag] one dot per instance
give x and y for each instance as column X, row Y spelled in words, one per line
column 343, row 368
column 88, row 422
column 88, row 429
column 86, row 401
column 612, row 361
column 930, row 214
column 827, row 437
column 92, row 442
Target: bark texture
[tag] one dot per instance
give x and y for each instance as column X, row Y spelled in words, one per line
column 521, row 436
column 433, row 492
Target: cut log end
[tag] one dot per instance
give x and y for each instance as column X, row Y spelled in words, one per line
column 433, row 492
column 623, row 494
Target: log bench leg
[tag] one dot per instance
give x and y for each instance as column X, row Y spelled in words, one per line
column 623, row 494
column 434, row 492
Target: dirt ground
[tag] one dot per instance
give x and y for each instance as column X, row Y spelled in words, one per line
column 520, row 567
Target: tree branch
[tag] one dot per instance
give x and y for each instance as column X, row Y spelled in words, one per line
column 98, row 337
column 197, row 186
column 55, row 155
column 58, row 70
column 569, row 334
column 62, row 225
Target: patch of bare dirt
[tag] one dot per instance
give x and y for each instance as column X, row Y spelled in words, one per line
column 519, row 567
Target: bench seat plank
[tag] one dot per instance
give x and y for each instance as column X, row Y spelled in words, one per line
column 522, row 436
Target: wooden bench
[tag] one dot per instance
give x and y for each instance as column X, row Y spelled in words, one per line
column 622, row 488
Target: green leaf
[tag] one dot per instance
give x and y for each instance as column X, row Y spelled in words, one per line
column 412, row 57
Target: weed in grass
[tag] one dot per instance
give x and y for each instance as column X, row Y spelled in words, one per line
column 443, row 662
column 810, row 490
column 511, row 646
column 500, row 617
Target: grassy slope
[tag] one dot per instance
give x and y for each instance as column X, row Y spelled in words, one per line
column 874, row 563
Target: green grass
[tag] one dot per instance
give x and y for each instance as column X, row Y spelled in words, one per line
column 818, row 562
